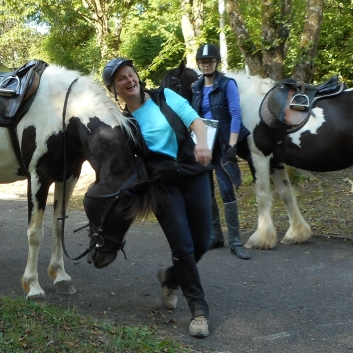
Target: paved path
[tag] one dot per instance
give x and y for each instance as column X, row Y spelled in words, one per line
column 291, row 299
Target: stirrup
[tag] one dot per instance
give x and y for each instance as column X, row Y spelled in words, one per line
column 299, row 106
column 7, row 91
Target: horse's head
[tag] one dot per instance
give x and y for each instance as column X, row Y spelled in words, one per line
column 180, row 80
column 121, row 190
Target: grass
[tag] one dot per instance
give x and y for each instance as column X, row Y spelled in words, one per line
column 33, row 328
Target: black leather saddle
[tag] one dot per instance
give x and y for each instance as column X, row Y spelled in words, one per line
column 17, row 87
column 288, row 105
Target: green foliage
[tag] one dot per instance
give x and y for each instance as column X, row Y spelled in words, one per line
column 71, row 43
column 154, row 43
column 335, row 54
column 32, row 328
column 152, row 36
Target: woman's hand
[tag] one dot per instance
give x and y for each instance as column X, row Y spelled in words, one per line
column 202, row 154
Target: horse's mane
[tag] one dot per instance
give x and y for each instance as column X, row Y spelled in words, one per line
column 88, row 93
column 251, row 83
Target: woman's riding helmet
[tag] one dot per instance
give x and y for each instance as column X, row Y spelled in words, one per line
column 112, row 66
column 110, row 70
column 208, row 51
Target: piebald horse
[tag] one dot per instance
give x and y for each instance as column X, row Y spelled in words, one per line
column 63, row 128
column 324, row 143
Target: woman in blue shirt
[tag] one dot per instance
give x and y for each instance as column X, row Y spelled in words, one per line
column 216, row 97
column 181, row 168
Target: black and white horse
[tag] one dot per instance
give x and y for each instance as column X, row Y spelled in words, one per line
column 324, row 143
column 53, row 150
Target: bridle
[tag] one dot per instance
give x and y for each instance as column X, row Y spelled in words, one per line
column 98, row 238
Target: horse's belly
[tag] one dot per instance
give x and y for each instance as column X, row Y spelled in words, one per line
column 9, row 166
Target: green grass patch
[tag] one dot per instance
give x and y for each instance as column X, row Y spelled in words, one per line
column 33, row 328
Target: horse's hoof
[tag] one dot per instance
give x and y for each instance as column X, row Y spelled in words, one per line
column 65, row 288
column 39, row 298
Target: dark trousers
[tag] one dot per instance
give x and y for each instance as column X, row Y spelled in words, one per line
column 185, row 217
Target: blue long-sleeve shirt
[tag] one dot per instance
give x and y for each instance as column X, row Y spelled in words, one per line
column 232, row 96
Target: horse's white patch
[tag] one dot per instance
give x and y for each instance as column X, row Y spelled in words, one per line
column 312, row 126
column 252, row 90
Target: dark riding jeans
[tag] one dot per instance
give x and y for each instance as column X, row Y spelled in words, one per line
column 185, row 217
column 225, row 184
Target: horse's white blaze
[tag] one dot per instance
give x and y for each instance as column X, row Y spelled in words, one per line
column 312, row 125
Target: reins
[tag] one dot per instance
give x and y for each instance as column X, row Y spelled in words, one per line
column 64, row 216
column 99, row 237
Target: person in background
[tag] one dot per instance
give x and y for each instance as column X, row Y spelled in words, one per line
column 216, row 97
column 181, row 168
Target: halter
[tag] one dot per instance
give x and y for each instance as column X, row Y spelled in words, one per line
column 99, row 237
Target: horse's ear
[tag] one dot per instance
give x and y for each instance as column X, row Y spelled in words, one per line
column 182, row 65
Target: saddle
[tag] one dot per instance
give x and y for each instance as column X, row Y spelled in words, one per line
column 16, row 88
column 288, row 105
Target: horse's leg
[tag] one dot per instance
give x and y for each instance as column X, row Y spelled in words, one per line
column 299, row 230
column 35, row 234
column 265, row 236
column 56, row 269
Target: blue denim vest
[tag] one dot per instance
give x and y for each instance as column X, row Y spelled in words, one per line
column 219, row 107
column 220, row 112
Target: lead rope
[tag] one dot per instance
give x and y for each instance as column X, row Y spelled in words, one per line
column 64, row 216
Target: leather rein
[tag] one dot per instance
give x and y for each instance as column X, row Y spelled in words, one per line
column 98, row 238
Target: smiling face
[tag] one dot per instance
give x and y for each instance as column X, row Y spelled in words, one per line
column 127, row 83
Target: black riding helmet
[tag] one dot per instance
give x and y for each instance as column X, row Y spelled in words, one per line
column 110, row 69
column 209, row 51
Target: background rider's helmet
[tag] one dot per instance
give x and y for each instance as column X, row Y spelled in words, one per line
column 111, row 68
column 208, row 51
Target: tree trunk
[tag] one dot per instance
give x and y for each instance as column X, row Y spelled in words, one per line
column 252, row 56
column 275, row 32
column 222, row 36
column 191, row 23
column 304, row 69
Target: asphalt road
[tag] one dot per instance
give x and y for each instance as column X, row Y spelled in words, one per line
column 291, row 299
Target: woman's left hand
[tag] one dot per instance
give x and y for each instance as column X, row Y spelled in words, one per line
column 202, row 154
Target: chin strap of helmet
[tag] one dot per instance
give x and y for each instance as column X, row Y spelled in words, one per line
column 115, row 92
